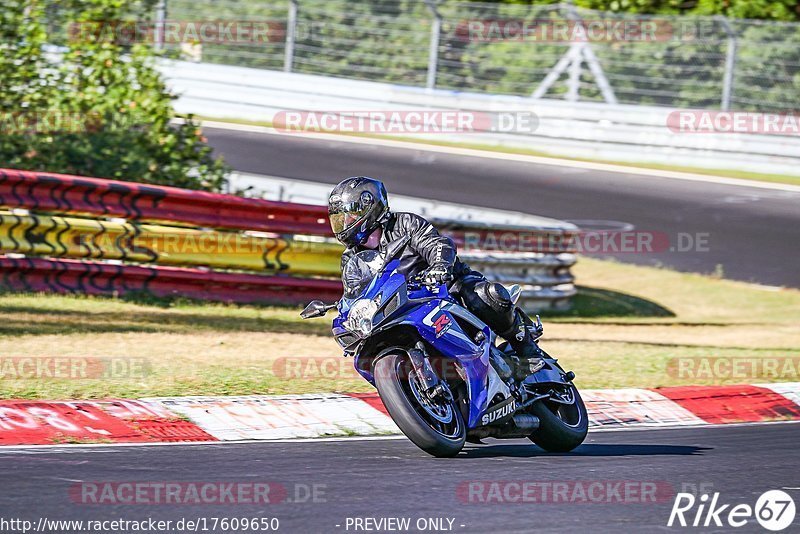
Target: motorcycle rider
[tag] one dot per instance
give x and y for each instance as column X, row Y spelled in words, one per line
column 360, row 217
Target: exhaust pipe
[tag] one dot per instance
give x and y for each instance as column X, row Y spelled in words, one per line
column 526, row 423
column 520, row 426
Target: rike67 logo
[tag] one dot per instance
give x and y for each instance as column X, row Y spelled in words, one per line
column 774, row 510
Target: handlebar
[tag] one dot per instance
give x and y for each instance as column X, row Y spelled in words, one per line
column 418, row 281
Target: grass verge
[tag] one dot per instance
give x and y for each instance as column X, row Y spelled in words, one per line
column 632, row 327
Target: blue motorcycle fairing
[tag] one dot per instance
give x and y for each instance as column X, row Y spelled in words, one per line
column 453, row 343
column 386, row 284
column 548, row 374
column 432, row 315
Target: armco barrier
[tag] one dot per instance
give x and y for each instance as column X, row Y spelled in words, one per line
column 44, row 235
column 94, row 278
column 546, row 280
column 503, row 239
column 60, row 193
column 65, row 194
column 225, row 232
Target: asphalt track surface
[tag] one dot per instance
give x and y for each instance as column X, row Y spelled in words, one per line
column 753, row 233
column 392, row 478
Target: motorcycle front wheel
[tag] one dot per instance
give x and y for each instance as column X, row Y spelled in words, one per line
column 435, row 426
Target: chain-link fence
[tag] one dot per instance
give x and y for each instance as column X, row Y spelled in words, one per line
column 543, row 51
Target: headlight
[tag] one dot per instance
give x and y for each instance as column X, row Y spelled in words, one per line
column 360, row 318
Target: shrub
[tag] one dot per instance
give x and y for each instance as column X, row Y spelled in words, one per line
column 96, row 107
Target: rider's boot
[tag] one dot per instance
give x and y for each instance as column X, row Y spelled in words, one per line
column 522, row 338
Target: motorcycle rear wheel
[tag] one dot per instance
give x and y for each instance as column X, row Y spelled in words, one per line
column 561, row 427
column 436, row 427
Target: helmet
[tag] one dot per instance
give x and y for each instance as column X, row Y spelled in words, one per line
column 356, row 207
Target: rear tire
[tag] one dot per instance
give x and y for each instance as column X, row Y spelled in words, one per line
column 394, row 375
column 561, row 428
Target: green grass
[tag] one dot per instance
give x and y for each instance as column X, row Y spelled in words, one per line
column 726, row 173
column 629, row 325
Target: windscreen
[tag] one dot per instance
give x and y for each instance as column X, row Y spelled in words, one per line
column 359, row 271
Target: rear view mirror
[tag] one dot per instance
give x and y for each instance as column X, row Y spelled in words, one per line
column 315, row 308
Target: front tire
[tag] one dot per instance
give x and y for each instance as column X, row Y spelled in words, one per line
column 561, row 427
column 436, row 428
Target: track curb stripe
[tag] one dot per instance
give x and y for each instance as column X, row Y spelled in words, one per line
column 25, row 422
column 734, row 404
column 263, row 417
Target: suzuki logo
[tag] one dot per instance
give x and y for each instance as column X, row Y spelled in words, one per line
column 442, row 324
column 498, row 413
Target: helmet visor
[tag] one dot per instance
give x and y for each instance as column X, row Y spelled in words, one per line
column 344, row 216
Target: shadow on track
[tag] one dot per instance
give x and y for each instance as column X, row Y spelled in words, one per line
column 587, row 449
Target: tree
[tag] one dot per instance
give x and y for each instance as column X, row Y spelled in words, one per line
column 98, row 107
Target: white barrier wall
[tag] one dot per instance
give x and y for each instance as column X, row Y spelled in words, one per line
column 635, row 134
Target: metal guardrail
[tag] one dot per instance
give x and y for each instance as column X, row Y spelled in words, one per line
column 70, row 237
column 638, row 134
column 545, row 279
column 60, row 193
column 96, row 278
column 689, row 61
column 127, row 255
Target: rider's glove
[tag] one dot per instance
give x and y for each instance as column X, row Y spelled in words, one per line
column 438, row 274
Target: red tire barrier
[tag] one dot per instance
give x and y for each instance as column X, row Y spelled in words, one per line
column 531, row 256
column 61, row 193
column 94, row 278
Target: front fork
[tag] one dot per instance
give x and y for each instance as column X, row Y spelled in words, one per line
column 435, row 388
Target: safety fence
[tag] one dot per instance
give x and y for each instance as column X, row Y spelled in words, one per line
column 70, row 234
column 555, row 50
column 538, row 50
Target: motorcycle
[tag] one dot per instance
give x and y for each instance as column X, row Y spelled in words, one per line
column 437, row 368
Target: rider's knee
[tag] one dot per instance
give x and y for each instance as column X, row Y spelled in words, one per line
column 492, row 303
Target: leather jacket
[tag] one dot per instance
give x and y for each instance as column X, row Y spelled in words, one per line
column 425, row 248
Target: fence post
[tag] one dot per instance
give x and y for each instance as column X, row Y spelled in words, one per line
column 291, row 26
column 730, row 65
column 574, row 82
column 579, row 51
column 433, row 50
column 161, row 18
